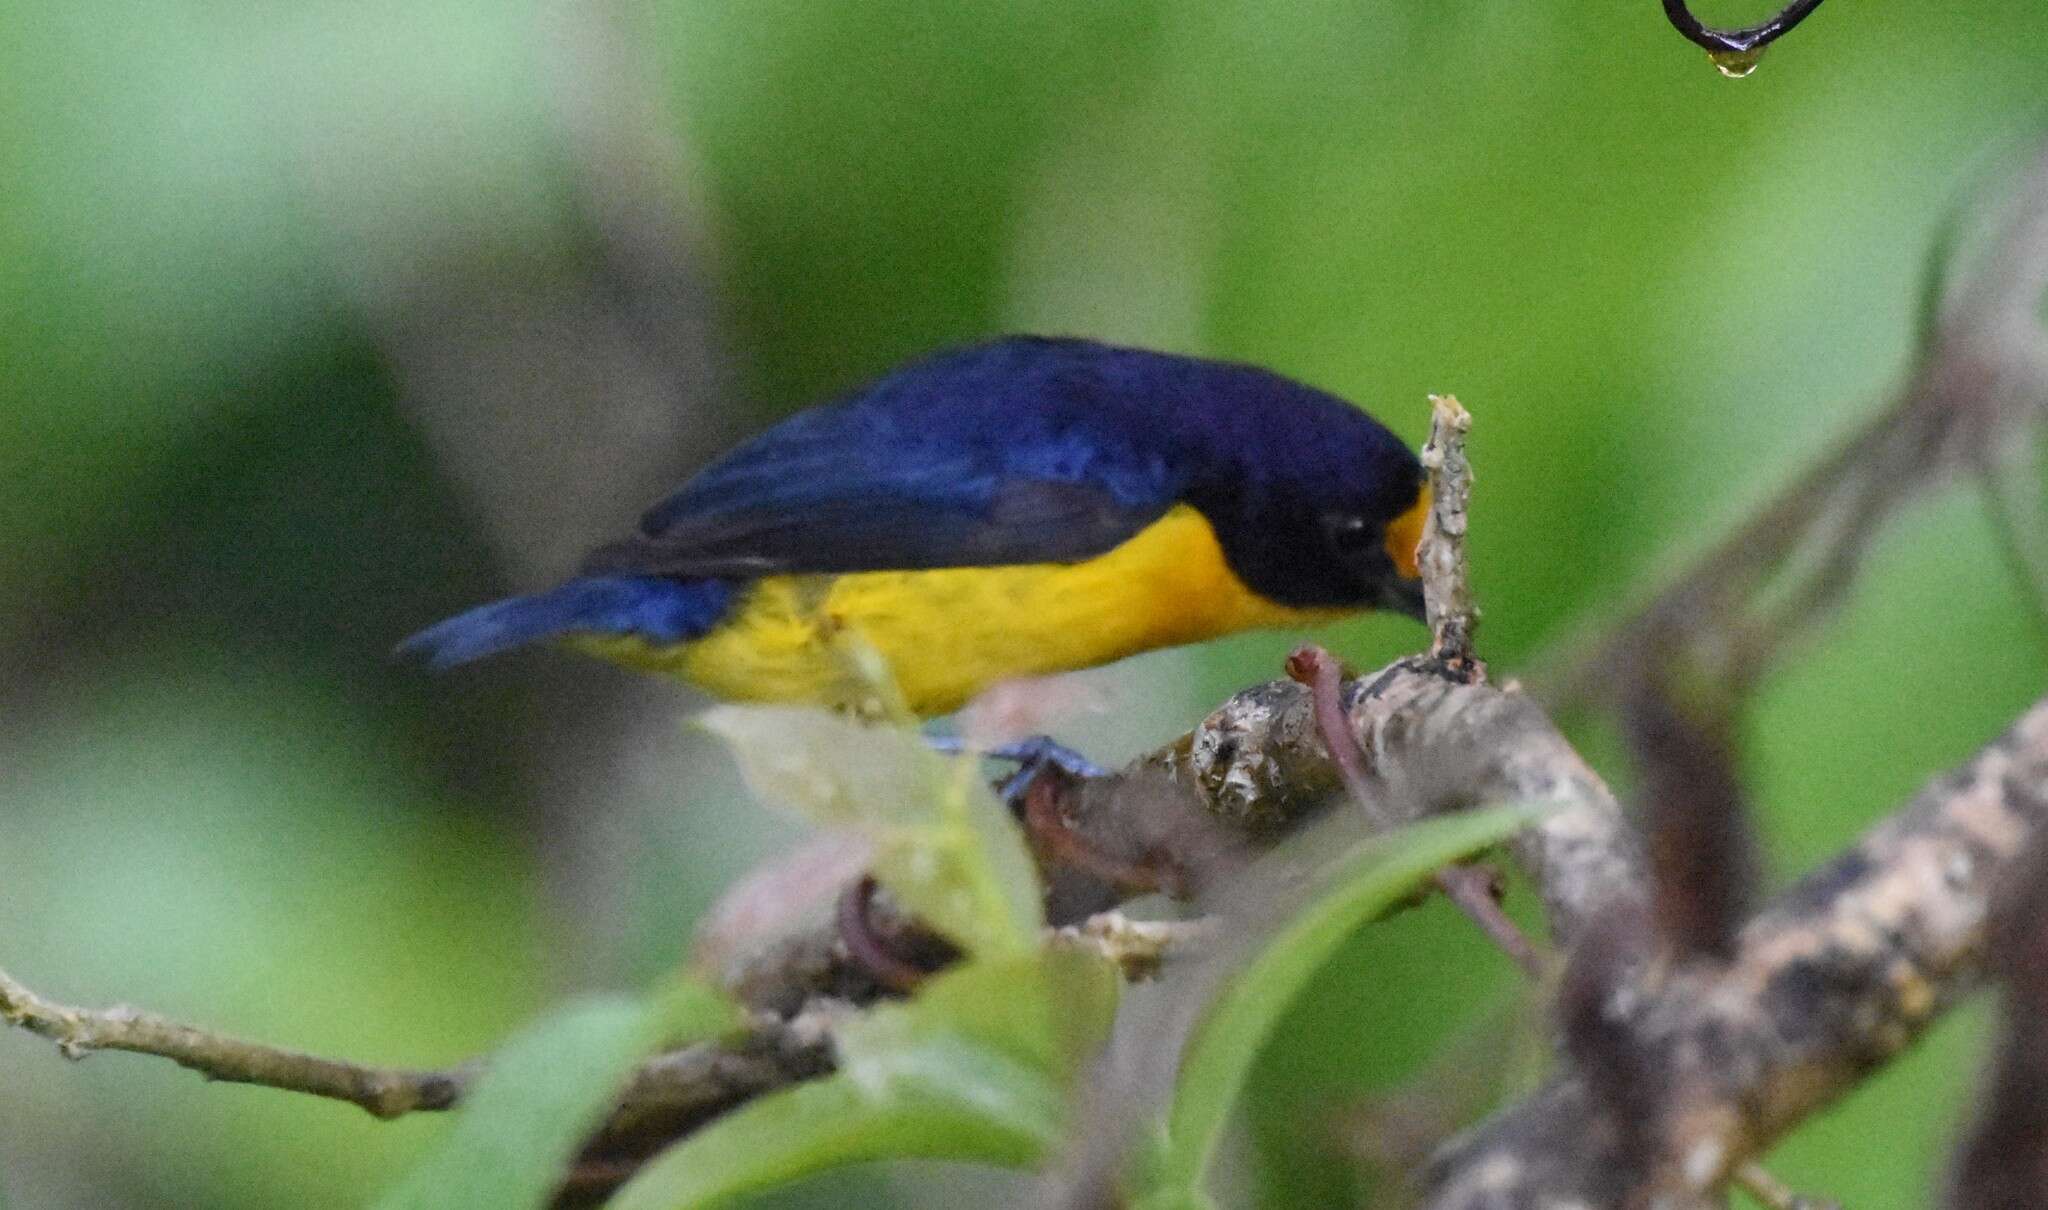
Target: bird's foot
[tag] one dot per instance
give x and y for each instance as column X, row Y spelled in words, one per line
column 1044, row 750
column 1029, row 755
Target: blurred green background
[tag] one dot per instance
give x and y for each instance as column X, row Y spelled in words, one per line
column 321, row 320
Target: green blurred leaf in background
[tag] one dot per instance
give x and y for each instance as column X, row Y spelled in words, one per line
column 288, row 885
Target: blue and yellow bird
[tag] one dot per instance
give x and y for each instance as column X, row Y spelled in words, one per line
column 1016, row 508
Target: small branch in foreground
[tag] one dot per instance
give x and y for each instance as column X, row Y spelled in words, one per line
column 386, row 1092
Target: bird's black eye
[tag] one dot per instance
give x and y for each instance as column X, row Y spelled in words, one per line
column 1348, row 532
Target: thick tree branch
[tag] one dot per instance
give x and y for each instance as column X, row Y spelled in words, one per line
column 1833, row 980
column 2004, row 1161
column 1685, row 1068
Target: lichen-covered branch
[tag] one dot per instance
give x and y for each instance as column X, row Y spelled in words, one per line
column 1831, row 981
column 1446, row 585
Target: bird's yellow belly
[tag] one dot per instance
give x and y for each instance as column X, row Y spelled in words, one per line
column 948, row 634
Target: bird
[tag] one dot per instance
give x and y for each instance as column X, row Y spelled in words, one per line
column 1021, row 507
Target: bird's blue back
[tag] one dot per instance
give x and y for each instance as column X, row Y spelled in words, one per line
column 1143, row 427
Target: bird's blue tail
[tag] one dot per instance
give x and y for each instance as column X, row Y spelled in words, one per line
column 656, row 609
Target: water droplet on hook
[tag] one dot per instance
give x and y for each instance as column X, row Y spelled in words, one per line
column 1736, row 64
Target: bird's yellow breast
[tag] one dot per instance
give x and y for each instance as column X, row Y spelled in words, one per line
column 950, row 633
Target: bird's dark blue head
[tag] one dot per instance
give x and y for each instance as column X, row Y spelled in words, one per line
column 1314, row 501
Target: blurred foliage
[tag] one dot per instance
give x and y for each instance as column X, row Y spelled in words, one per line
column 1660, row 291
column 981, row 1063
column 546, row 1090
column 979, row 1066
column 222, row 841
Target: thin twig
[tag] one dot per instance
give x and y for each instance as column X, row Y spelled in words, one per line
column 866, row 946
column 1476, row 892
column 695, row 1076
column 1324, row 676
column 1772, row 1193
column 1840, row 975
column 386, row 1092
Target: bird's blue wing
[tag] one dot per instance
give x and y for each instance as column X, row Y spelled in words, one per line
column 992, row 457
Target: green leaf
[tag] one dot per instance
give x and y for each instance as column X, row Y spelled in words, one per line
column 1047, row 1010
column 810, row 1128
column 689, row 1010
column 978, row 1066
column 546, row 1090
column 1234, row 1030
column 943, row 844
